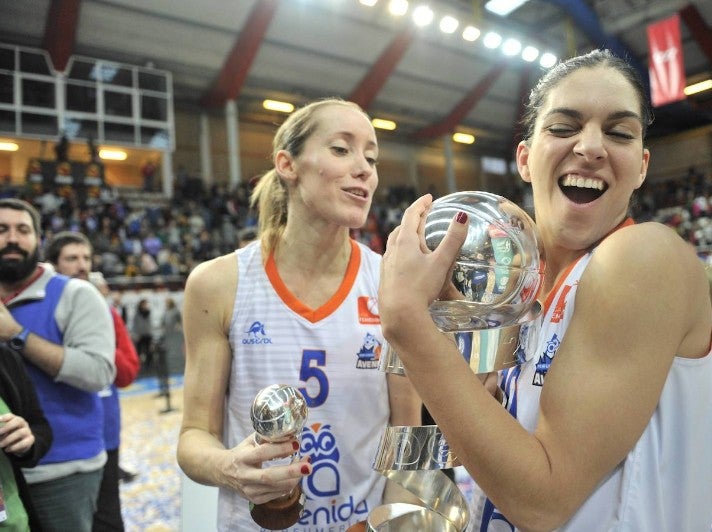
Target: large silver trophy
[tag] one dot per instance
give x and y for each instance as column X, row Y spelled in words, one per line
column 279, row 413
column 496, row 277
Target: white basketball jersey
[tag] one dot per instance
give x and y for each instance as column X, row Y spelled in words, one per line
column 331, row 355
column 665, row 482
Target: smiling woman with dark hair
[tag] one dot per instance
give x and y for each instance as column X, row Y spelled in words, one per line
column 608, row 423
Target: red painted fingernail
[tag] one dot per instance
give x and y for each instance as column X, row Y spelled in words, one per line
column 309, row 459
column 295, row 445
column 461, row 217
column 305, row 469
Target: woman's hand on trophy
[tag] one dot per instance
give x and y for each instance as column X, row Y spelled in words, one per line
column 405, row 263
column 247, row 469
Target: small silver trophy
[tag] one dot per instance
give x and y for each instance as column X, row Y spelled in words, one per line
column 279, row 413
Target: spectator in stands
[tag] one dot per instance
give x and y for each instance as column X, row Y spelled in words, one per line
column 142, row 332
column 61, row 149
column 131, row 269
column 147, row 264
column 152, row 244
column 62, row 329
column 7, row 189
column 172, row 331
column 70, row 254
column 148, row 170
column 93, row 151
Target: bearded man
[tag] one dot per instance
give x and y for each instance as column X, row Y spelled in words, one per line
column 62, row 329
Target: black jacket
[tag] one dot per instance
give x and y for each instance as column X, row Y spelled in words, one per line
column 19, row 394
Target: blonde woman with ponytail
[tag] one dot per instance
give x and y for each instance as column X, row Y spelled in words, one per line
column 297, row 306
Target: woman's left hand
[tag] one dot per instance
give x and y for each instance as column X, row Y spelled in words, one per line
column 15, row 435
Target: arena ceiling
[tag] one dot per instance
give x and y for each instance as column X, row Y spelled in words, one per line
column 429, row 82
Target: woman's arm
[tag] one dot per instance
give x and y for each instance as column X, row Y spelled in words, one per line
column 600, row 391
column 208, row 303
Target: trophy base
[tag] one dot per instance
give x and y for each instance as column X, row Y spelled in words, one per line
column 361, row 526
column 279, row 513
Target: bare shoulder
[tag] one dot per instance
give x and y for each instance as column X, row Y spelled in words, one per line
column 215, row 275
column 652, row 247
column 212, row 285
column 648, row 269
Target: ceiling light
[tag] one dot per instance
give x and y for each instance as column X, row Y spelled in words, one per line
column 398, row 8
column 470, row 33
column 369, row 3
column 503, row 7
column 463, row 138
column 698, row 87
column 530, row 53
column 422, row 15
column 511, row 47
column 8, row 146
column 547, row 60
column 449, row 24
column 112, row 155
column 492, row 40
column 381, row 123
column 274, row 105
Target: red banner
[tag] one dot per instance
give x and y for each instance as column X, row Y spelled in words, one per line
column 666, row 66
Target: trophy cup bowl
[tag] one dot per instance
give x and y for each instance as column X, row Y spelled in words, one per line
column 497, row 271
column 279, row 413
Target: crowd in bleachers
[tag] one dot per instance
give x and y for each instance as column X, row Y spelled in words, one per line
column 153, row 236
column 168, row 237
column 684, row 204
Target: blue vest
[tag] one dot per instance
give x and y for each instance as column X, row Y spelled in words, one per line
column 112, row 417
column 76, row 416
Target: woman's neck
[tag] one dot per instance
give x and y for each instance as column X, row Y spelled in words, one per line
column 308, row 250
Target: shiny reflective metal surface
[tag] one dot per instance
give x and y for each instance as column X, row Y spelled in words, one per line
column 413, row 448
column 498, row 269
column 440, row 496
column 496, row 349
column 403, row 517
column 278, row 413
column 485, row 350
column 389, row 361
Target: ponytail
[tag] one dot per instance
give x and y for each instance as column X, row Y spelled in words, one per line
column 270, row 199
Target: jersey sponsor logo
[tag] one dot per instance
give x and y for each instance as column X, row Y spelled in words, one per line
column 542, row 366
column 256, row 334
column 370, row 353
column 319, row 443
column 560, row 307
column 368, row 310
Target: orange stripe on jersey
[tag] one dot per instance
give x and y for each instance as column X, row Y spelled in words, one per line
column 314, row 315
column 562, row 277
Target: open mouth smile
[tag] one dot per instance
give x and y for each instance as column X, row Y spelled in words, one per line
column 581, row 189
